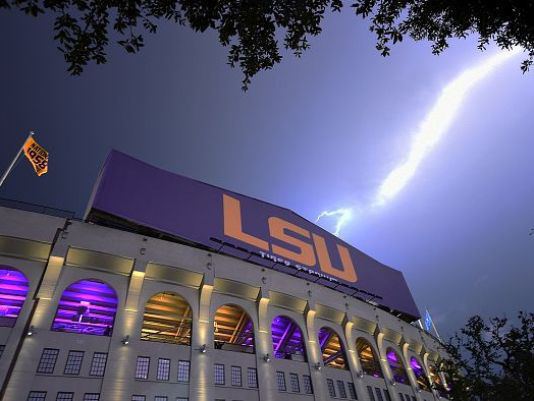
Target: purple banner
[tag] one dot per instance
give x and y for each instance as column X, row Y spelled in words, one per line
column 140, row 194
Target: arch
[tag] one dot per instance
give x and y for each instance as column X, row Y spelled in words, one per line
column 288, row 342
column 332, row 349
column 14, row 286
column 167, row 318
column 397, row 366
column 86, row 306
column 368, row 358
column 419, row 372
column 233, row 329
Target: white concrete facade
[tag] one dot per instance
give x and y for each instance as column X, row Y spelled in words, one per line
column 54, row 253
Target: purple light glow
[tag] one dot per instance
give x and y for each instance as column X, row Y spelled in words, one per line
column 13, row 290
column 86, row 307
column 397, row 367
column 287, row 339
column 422, row 380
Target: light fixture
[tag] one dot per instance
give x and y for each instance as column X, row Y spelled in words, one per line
column 125, row 340
column 393, row 382
column 317, row 366
column 360, row 374
column 203, row 349
column 267, row 358
column 31, row 331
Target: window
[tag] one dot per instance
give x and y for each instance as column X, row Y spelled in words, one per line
column 236, row 376
column 160, row 398
column 294, row 382
column 308, row 387
column 402, row 397
column 386, row 393
column 233, row 329
column 48, row 360
column 164, row 367
column 182, row 399
column 368, row 358
column 341, row 388
column 91, row 397
column 86, row 307
column 331, row 388
column 352, row 391
column 332, row 349
column 138, row 398
column 141, row 369
column 74, row 363
column 65, row 396
column 218, row 374
column 413, row 398
column 2, row 348
column 379, row 394
column 288, row 342
column 281, row 381
column 406, row 397
column 371, row 394
column 252, row 378
column 183, row 371
column 397, row 367
column 167, row 319
column 98, row 364
column 13, row 293
column 37, row 396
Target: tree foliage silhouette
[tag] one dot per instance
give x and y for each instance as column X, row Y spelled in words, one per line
column 492, row 360
column 251, row 28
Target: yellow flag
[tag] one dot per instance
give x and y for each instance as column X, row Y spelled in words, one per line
column 37, row 155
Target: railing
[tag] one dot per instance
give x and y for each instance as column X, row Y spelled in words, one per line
column 35, row 208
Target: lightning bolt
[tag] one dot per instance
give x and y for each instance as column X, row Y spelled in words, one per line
column 345, row 214
column 429, row 132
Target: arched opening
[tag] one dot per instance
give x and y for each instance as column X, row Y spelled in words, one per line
column 86, row 307
column 167, row 319
column 397, row 366
column 233, row 329
column 288, row 342
column 420, row 376
column 332, row 349
column 368, row 359
column 436, row 381
column 13, row 290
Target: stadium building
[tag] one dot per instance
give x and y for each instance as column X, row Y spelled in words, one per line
column 170, row 289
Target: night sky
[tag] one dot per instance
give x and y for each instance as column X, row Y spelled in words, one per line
column 317, row 133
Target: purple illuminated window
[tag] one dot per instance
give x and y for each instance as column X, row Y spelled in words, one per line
column 13, row 290
column 287, row 339
column 332, row 349
column 86, row 307
column 397, row 367
column 420, row 375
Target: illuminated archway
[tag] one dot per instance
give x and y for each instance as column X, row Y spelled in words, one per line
column 167, row 319
column 288, row 342
column 86, row 307
column 436, row 381
column 419, row 373
column 397, row 366
column 368, row 358
column 332, row 349
column 233, row 329
column 13, row 291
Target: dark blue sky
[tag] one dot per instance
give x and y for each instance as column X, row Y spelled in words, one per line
column 317, row 133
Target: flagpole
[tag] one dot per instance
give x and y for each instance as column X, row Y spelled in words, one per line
column 19, row 153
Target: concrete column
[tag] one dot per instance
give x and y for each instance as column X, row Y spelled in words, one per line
column 266, row 374
column 315, row 358
column 200, row 386
column 388, row 375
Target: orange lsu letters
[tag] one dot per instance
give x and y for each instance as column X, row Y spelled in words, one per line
column 280, row 229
